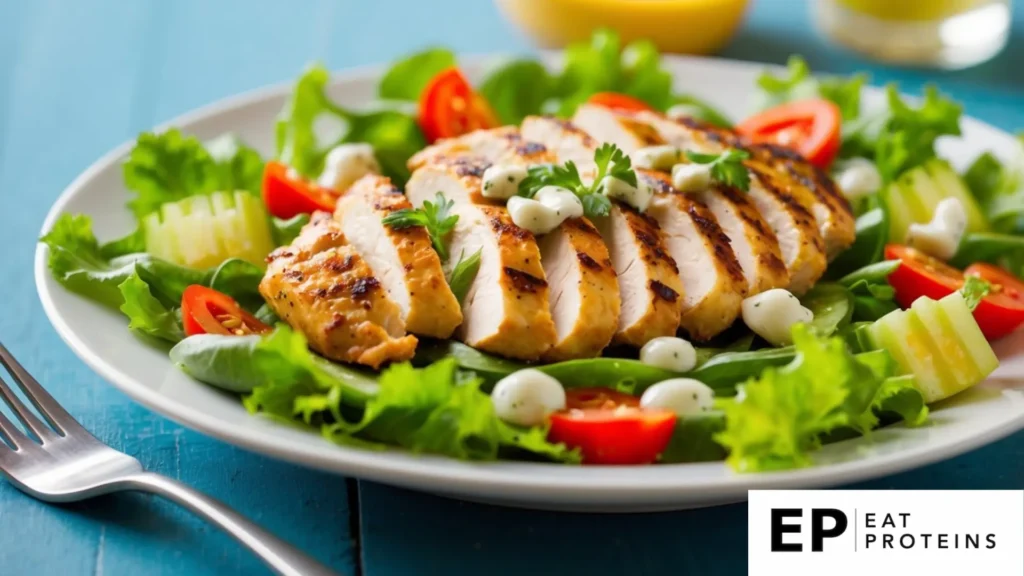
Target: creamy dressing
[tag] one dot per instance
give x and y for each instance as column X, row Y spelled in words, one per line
column 541, row 214
column 638, row 197
column 563, row 201
column 772, row 314
column 527, row 397
column 940, row 237
column 347, row 163
column 684, row 396
column 859, row 178
column 670, row 353
column 691, row 177
column 502, row 181
column 656, row 158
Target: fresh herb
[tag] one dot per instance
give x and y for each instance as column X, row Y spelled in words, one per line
column 463, row 273
column 435, row 216
column 310, row 113
column 611, row 162
column 973, row 290
column 726, row 168
column 168, row 167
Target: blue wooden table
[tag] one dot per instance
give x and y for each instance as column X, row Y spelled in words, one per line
column 78, row 77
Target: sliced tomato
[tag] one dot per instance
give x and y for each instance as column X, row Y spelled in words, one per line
column 287, row 194
column 450, row 107
column 617, row 101
column 1002, row 311
column 811, row 127
column 921, row 275
column 622, row 435
column 207, row 311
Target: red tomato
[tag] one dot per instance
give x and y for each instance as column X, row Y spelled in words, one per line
column 617, row 101
column 450, row 107
column 1002, row 311
column 811, row 127
column 609, row 427
column 207, row 311
column 998, row 314
column 290, row 195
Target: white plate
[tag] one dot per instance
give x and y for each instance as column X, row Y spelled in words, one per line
column 100, row 337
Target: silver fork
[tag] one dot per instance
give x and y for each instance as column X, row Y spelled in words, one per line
column 65, row 463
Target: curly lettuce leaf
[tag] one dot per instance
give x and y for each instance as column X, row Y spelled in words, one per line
column 407, row 78
column 237, row 166
column 147, row 314
column 780, row 417
column 999, row 188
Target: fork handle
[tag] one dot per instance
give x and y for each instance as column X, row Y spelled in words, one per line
column 279, row 555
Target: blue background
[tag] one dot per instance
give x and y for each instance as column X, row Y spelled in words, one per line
column 77, row 78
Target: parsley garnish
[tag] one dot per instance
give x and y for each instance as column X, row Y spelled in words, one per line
column 726, row 168
column 435, row 216
column 973, row 290
column 610, row 161
column 463, row 273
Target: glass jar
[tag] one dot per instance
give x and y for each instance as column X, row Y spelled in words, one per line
column 938, row 33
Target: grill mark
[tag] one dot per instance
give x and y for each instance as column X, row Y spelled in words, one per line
column 531, row 149
column 581, row 224
column 500, row 226
column 463, row 166
column 646, row 230
column 337, row 321
column 278, row 254
column 293, row 275
column 744, row 209
column 334, row 264
column 657, row 181
column 664, row 292
column 709, row 227
column 645, row 132
column 712, row 133
column 524, row 282
column 570, row 128
column 588, row 262
column 363, row 287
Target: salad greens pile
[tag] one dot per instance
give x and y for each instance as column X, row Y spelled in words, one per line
column 774, row 405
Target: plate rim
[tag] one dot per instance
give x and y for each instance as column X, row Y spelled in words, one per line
column 489, row 479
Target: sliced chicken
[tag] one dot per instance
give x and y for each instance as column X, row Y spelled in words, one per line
column 321, row 287
column 650, row 290
column 794, row 175
column 496, row 145
column 713, row 282
column 583, row 294
column 795, row 229
column 402, row 259
column 506, row 309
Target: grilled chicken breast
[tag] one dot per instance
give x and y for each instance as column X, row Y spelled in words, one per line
column 504, row 144
column 402, row 259
column 321, row 287
column 713, row 282
column 650, row 290
column 583, row 295
column 506, row 309
column 794, row 227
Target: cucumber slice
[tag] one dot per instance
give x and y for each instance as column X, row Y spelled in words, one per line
column 203, row 231
column 900, row 216
column 947, row 180
column 921, row 193
column 939, row 343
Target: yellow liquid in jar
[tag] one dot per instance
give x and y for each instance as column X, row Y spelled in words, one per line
column 911, row 10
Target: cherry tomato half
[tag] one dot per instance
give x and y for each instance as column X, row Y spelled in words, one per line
column 998, row 314
column 811, row 127
column 617, row 101
column 1002, row 311
column 450, row 107
column 287, row 195
column 609, row 427
column 207, row 311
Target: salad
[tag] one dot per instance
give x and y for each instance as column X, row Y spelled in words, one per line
column 572, row 266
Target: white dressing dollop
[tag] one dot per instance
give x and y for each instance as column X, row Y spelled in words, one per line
column 563, row 201
column 940, row 237
column 531, row 215
column 527, row 397
column 858, row 178
column 684, row 396
column 638, row 196
column 772, row 314
column 656, row 157
column 502, row 181
column 347, row 163
column 670, row 353
column 691, row 177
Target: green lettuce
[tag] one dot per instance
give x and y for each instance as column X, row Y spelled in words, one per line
column 392, row 131
column 284, row 231
column 780, row 417
column 169, row 166
column 146, row 313
column 517, row 89
column 799, row 84
column 407, row 78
